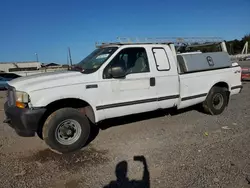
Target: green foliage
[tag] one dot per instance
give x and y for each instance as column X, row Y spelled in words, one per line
column 246, row 38
column 233, row 47
column 236, row 46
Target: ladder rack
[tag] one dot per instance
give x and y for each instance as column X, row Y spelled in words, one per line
column 177, row 41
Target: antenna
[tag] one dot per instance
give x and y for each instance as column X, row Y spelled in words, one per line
column 36, row 57
column 70, row 60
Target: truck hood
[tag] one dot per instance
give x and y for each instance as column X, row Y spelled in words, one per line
column 47, row 80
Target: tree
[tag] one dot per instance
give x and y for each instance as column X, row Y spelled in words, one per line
column 234, row 46
column 246, row 38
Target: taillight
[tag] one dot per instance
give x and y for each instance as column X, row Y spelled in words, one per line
column 245, row 70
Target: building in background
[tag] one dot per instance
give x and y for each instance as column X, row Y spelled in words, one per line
column 19, row 66
column 54, row 66
column 30, row 67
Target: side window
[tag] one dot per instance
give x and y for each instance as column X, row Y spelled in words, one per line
column 134, row 60
column 161, row 59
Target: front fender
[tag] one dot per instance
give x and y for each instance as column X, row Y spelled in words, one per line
column 38, row 99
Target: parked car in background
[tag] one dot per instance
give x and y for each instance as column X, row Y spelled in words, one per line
column 5, row 77
column 245, row 73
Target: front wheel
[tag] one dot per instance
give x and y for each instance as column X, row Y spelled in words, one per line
column 66, row 130
column 216, row 101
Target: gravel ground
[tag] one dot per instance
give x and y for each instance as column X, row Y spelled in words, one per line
column 189, row 149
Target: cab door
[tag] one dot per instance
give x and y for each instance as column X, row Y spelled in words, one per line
column 134, row 93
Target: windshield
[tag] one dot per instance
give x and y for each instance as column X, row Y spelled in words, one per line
column 95, row 60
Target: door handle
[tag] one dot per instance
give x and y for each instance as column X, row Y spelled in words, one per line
column 152, row 81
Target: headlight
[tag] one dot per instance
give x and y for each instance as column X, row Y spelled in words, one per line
column 22, row 99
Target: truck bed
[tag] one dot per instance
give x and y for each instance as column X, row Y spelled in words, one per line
column 194, row 86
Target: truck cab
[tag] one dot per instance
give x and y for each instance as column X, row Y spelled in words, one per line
column 118, row 79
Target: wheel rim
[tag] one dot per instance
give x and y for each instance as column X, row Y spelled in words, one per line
column 218, row 101
column 68, row 132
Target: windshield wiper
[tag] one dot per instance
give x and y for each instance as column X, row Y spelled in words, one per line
column 88, row 71
column 82, row 70
column 76, row 68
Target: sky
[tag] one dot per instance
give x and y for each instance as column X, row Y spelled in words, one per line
column 49, row 27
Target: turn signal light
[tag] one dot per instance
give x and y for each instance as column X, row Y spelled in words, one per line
column 20, row 104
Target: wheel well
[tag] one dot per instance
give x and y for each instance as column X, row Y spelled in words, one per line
column 224, row 85
column 79, row 104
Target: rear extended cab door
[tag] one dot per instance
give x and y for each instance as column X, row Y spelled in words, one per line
column 166, row 76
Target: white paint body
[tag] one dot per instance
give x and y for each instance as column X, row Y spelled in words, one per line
column 46, row 88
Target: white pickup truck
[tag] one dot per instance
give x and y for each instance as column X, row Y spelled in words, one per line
column 117, row 79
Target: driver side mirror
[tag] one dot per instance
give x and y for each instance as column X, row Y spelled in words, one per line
column 117, row 71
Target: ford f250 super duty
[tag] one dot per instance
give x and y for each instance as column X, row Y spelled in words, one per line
column 118, row 79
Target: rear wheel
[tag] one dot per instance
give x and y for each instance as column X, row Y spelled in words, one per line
column 216, row 101
column 66, row 130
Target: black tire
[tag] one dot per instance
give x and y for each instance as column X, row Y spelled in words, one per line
column 216, row 94
column 50, row 130
column 40, row 134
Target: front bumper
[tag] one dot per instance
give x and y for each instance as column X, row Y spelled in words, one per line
column 24, row 121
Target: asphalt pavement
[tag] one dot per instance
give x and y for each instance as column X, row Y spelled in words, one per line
column 244, row 63
column 157, row 150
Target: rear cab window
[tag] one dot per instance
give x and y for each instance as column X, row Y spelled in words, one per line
column 161, row 59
